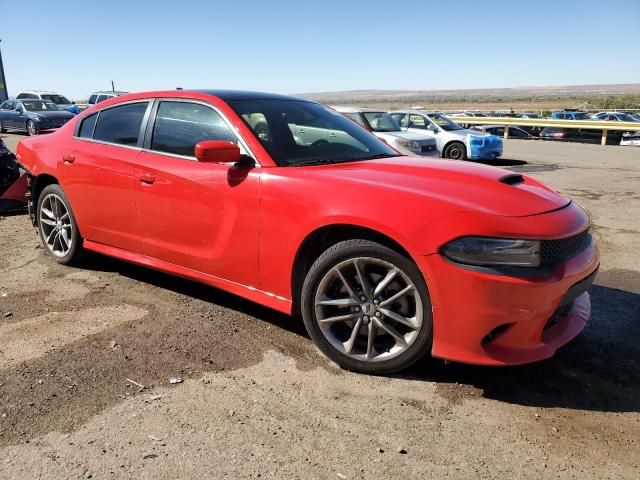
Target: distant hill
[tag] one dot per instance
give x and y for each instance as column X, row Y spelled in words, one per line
column 516, row 92
column 541, row 99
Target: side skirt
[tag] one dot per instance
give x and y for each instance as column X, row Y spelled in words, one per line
column 267, row 299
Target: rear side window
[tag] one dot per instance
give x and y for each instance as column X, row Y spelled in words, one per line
column 86, row 127
column 27, row 95
column 179, row 126
column 120, row 125
column 92, row 99
column 102, row 98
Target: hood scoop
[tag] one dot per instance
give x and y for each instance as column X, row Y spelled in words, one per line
column 512, row 179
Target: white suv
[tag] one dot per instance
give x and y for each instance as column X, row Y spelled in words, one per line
column 60, row 100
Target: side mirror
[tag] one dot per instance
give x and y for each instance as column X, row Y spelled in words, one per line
column 217, row 151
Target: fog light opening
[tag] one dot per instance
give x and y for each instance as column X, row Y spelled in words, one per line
column 495, row 333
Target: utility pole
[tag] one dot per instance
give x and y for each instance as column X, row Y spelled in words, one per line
column 113, row 87
column 4, row 95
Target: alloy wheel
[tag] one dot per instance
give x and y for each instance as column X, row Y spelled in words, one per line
column 31, row 128
column 368, row 309
column 56, row 226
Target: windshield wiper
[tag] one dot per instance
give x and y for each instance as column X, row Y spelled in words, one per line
column 379, row 155
column 325, row 161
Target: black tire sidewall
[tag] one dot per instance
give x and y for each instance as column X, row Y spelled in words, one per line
column 459, row 145
column 363, row 248
column 76, row 240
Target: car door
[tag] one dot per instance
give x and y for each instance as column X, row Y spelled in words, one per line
column 98, row 168
column 201, row 216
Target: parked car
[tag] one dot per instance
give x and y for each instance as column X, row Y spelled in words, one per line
column 571, row 115
column 32, row 116
column 63, row 102
column 359, row 240
column 581, row 135
column 498, row 130
column 615, row 117
column 631, row 140
column 97, row 97
column 12, row 186
column 383, row 126
column 453, row 141
column 529, row 115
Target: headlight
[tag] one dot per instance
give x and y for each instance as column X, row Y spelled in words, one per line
column 493, row 251
column 408, row 144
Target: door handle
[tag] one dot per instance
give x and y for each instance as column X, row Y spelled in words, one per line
column 68, row 158
column 146, row 178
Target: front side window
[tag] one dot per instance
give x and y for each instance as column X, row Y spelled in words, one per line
column 418, row 121
column 179, row 126
column 305, row 133
column 121, row 124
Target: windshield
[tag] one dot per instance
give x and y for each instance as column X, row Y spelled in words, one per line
column 40, row 106
column 381, row 122
column 304, row 133
column 443, row 122
column 582, row 116
column 57, row 99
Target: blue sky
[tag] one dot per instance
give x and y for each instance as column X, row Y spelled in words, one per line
column 75, row 47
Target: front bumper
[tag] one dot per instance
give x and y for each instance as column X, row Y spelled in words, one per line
column 487, row 318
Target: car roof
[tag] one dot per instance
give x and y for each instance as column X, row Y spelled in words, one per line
column 109, row 92
column 229, row 95
column 46, row 92
column 343, row 109
column 419, row 112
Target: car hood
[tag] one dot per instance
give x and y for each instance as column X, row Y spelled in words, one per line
column 53, row 114
column 464, row 186
column 404, row 135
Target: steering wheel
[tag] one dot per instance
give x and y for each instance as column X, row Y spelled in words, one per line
column 319, row 143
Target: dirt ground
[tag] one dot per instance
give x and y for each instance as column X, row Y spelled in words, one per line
column 259, row 401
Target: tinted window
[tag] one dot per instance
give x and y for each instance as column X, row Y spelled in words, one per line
column 92, row 99
column 101, row 98
column 8, row 105
column 86, row 127
column 180, row 126
column 120, row 125
column 27, row 95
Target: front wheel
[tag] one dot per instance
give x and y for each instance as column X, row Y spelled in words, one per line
column 32, row 130
column 455, row 151
column 367, row 308
column 57, row 226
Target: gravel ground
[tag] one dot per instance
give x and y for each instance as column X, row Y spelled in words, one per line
column 259, row 401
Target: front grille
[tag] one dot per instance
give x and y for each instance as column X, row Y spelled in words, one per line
column 556, row 251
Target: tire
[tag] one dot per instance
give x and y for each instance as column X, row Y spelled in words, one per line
column 455, row 151
column 357, row 335
column 57, row 226
column 31, row 128
column 2, row 129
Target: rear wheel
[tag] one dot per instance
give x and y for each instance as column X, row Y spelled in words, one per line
column 367, row 308
column 455, row 151
column 57, row 226
column 31, row 128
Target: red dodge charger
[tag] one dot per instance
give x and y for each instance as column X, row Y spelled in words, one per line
column 287, row 203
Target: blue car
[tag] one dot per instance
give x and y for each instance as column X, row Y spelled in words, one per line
column 32, row 116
